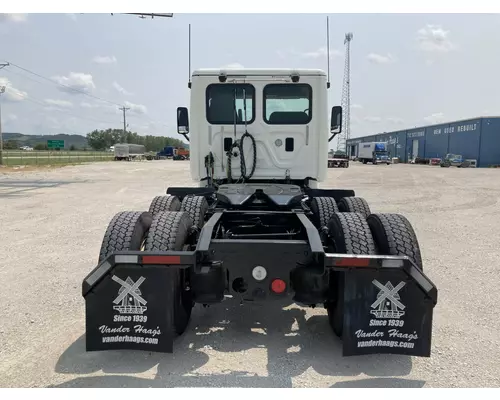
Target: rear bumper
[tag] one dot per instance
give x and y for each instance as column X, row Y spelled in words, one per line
column 337, row 163
column 388, row 301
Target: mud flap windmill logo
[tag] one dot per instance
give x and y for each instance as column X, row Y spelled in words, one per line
column 129, row 300
column 387, row 304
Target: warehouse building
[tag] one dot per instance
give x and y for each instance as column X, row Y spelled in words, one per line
column 476, row 139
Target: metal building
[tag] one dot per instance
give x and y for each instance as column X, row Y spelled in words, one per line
column 476, row 139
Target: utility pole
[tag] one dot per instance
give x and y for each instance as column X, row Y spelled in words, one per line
column 124, row 109
column 2, row 91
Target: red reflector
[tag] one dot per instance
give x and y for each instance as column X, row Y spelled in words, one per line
column 161, row 259
column 278, row 286
column 352, row 262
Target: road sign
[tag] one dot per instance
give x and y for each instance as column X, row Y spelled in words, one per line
column 55, row 144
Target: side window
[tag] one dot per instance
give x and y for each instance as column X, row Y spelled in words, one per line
column 287, row 104
column 225, row 103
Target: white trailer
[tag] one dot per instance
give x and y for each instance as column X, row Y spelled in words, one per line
column 374, row 152
column 128, row 151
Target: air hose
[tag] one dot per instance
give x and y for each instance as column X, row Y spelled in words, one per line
column 238, row 144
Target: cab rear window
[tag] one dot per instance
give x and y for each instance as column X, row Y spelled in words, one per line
column 287, row 104
column 225, row 103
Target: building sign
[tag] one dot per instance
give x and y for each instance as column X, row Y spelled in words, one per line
column 461, row 128
column 416, row 134
column 467, row 127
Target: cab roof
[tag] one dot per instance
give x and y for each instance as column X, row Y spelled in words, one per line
column 258, row 71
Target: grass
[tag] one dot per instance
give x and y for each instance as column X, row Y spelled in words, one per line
column 11, row 158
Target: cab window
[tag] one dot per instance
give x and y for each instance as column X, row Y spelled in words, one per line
column 225, row 103
column 287, row 104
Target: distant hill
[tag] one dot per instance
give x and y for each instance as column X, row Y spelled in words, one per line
column 78, row 141
column 31, row 140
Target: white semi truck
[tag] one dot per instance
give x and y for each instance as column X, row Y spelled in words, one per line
column 374, row 152
column 255, row 226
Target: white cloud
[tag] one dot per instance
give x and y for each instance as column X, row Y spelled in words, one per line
column 395, row 120
column 356, row 107
column 11, row 93
column 136, row 108
column 13, row 17
column 373, row 119
column 321, row 52
column 11, row 117
column 233, row 66
column 435, row 118
column 434, row 38
column 381, row 59
column 76, row 82
column 121, row 89
column 104, row 59
column 59, row 103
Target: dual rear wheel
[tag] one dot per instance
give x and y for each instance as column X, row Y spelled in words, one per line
column 353, row 229
column 168, row 225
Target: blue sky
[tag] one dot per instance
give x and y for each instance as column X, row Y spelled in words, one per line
column 407, row 70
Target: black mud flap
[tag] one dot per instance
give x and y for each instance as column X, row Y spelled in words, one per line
column 127, row 307
column 388, row 311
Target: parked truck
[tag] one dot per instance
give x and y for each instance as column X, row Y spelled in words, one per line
column 166, row 152
column 128, row 151
column 251, row 230
column 181, row 153
column 373, row 152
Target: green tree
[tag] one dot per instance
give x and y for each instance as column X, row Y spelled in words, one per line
column 11, row 145
column 103, row 139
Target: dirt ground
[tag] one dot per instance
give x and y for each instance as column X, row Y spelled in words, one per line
column 51, row 225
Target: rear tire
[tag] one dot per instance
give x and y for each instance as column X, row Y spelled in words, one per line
column 349, row 233
column 170, row 231
column 164, row 203
column 323, row 209
column 354, row 204
column 196, row 207
column 394, row 236
column 126, row 231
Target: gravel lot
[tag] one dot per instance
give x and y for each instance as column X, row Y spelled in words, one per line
column 52, row 223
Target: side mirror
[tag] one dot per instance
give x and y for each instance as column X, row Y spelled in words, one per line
column 335, row 122
column 183, row 121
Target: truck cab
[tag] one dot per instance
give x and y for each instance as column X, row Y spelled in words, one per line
column 380, row 154
column 278, row 119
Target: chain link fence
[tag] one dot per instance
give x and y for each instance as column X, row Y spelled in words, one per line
column 16, row 157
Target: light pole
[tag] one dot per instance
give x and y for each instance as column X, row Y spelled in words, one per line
column 2, row 91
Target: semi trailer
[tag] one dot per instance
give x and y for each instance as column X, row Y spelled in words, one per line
column 255, row 227
column 128, row 151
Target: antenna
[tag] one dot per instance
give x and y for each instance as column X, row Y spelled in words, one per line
column 189, row 57
column 328, row 51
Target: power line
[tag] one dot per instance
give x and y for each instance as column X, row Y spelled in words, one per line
column 41, row 103
column 65, row 86
column 74, row 89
